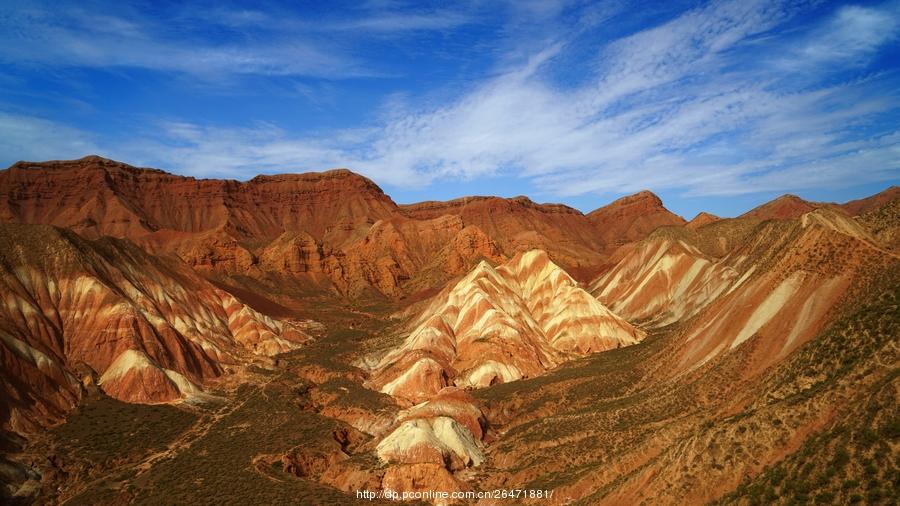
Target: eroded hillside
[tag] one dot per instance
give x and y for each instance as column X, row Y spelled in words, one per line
column 303, row 338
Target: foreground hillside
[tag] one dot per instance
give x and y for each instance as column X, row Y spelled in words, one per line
column 301, row 338
column 145, row 329
column 752, row 422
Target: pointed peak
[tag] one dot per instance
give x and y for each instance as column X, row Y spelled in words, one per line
column 484, row 265
column 534, row 254
column 633, row 217
column 788, row 197
column 643, row 202
column 528, row 257
column 702, row 218
column 481, row 268
column 641, row 196
column 785, row 207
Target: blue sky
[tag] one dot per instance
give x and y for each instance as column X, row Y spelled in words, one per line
column 714, row 106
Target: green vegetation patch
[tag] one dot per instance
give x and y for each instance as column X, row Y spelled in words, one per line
column 102, row 428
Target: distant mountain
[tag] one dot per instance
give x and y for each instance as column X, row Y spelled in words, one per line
column 769, row 374
column 632, row 217
column 860, row 206
column 782, row 208
column 334, row 230
column 780, row 282
column 518, row 225
column 702, row 218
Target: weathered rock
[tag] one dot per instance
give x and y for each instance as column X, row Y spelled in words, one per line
column 150, row 328
column 500, row 325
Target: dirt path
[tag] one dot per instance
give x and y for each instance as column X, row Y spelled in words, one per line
column 199, row 430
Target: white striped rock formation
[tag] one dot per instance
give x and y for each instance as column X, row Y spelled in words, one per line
column 150, row 328
column 497, row 325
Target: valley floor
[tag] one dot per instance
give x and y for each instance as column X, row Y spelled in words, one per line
column 602, row 429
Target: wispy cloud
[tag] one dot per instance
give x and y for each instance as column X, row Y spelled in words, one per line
column 79, row 39
column 208, row 43
column 719, row 100
column 393, row 23
column 675, row 106
column 34, row 138
column 852, row 36
column 243, row 152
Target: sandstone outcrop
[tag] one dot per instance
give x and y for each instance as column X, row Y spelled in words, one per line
column 662, row 281
column 779, row 285
column 497, row 325
column 149, row 328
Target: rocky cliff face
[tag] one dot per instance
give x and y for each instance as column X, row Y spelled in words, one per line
column 518, row 225
column 216, row 226
column 335, row 230
column 95, row 196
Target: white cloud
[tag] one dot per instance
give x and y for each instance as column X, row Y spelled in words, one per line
column 249, row 42
column 669, row 107
column 394, row 23
column 851, row 36
column 240, row 153
column 690, row 104
column 31, row 138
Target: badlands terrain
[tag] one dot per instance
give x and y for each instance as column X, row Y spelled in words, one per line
column 297, row 339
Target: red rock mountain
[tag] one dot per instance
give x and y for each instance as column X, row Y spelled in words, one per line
column 334, row 230
column 772, row 340
column 518, row 225
column 662, row 281
column 779, row 285
column 723, row 356
column 146, row 329
column 631, row 218
column 496, row 325
column 860, row 206
column 95, row 196
column 783, row 208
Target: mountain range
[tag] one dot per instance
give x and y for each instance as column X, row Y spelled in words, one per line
column 303, row 337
